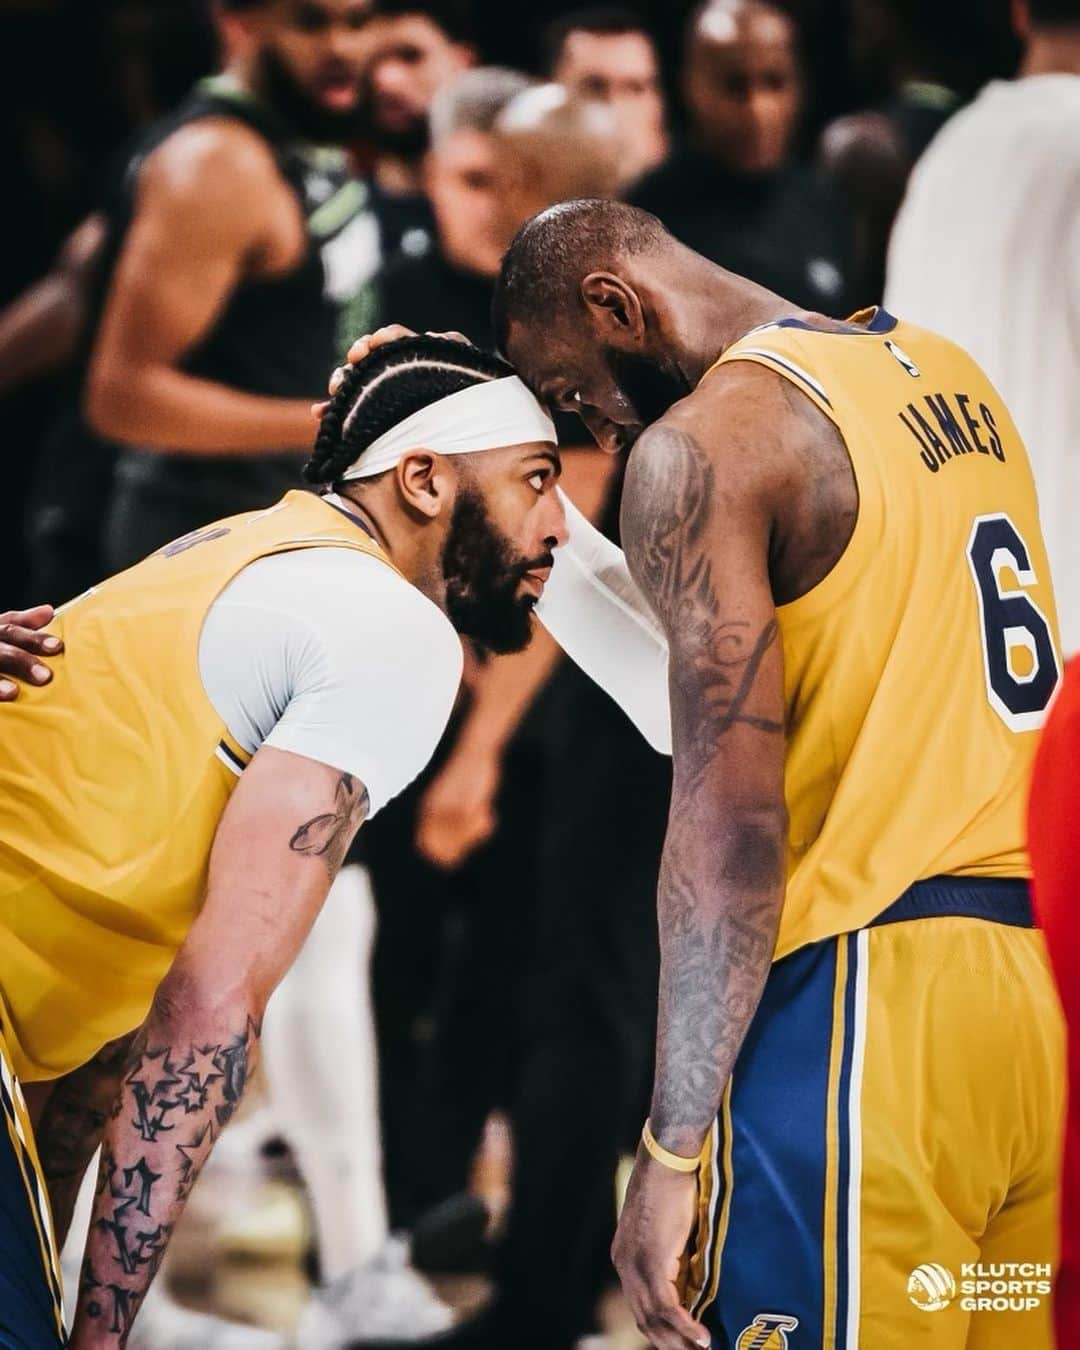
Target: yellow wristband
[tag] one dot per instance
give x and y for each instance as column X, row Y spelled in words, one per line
column 675, row 1161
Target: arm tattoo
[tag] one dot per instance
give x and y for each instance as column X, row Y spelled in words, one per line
column 329, row 835
column 721, row 879
column 71, row 1126
column 667, row 511
column 176, row 1097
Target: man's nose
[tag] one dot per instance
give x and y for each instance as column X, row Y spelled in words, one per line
column 607, row 434
column 559, row 531
column 390, row 77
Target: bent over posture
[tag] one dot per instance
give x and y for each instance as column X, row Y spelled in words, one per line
column 176, row 801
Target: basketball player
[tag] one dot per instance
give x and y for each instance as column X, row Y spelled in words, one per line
column 310, row 648
column 859, row 1056
column 238, row 244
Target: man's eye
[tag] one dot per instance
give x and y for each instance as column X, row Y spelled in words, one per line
column 538, row 479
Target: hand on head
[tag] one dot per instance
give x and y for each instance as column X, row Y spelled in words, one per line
column 365, row 345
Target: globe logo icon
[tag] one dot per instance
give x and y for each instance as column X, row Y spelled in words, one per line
column 931, row 1287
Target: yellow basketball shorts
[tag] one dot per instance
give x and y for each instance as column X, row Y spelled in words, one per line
column 884, row 1170
column 31, row 1302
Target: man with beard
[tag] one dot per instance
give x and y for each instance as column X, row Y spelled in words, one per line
column 237, row 243
column 178, row 798
column 849, row 572
column 417, row 49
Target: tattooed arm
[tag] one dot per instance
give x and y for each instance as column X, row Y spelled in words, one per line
column 279, row 845
column 696, row 527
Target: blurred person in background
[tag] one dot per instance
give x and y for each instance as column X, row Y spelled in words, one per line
column 606, row 52
column 557, row 992
column 925, row 50
column 76, row 80
column 445, row 857
column 448, row 285
column 735, row 192
column 985, row 250
column 236, row 248
column 552, row 146
column 416, row 48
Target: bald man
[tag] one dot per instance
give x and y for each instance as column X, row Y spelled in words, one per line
column 555, row 146
column 859, row 1061
column 735, row 192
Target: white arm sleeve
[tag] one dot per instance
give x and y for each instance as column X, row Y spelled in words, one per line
column 330, row 654
column 595, row 612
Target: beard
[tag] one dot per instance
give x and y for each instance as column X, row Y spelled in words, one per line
column 310, row 119
column 483, row 571
column 650, row 386
column 410, row 141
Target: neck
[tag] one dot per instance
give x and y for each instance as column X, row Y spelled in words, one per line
column 412, row 550
column 1052, row 52
column 242, row 73
column 721, row 309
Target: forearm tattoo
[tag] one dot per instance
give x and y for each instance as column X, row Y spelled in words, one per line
column 329, row 835
column 721, row 879
column 176, row 1098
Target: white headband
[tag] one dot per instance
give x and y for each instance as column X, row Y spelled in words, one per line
column 483, row 417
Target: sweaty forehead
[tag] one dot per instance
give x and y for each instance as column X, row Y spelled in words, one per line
column 542, row 356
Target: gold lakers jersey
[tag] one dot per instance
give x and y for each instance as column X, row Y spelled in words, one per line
column 112, row 781
column 917, row 673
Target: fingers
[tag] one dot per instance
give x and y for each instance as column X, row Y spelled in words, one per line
column 24, row 638
column 38, row 617
column 21, row 662
column 364, row 346
column 664, row 1323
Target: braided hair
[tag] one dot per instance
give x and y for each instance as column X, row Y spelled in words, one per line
column 394, row 382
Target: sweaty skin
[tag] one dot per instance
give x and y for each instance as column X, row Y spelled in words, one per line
column 741, row 498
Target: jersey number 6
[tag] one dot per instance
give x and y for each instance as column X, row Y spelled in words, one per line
column 1019, row 658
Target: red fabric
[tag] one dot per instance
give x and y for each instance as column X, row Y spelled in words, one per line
column 1054, row 840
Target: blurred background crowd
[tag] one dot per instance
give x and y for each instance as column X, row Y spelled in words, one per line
column 467, row 1054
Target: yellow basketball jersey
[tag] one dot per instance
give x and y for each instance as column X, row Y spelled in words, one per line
column 112, row 781
column 917, row 673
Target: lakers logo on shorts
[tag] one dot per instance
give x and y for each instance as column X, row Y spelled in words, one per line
column 768, row 1331
column 931, row 1287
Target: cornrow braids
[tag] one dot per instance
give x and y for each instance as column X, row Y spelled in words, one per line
column 394, row 382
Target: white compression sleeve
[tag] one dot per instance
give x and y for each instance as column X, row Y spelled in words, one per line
column 318, row 1047
column 595, row 612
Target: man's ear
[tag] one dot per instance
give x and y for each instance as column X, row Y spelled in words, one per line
column 614, row 306
column 425, row 482
column 465, row 55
